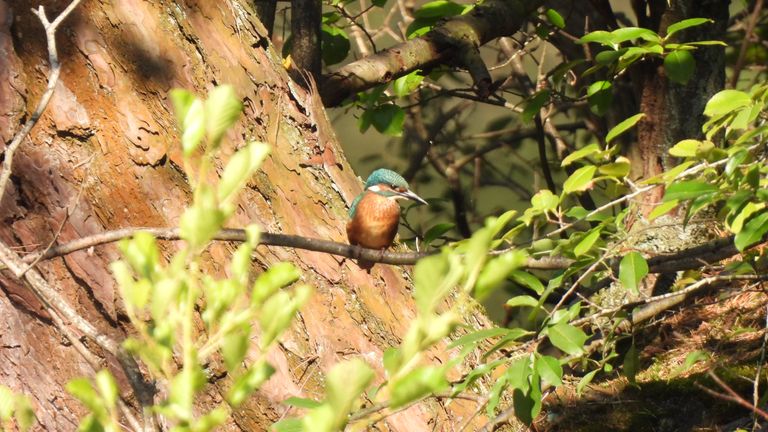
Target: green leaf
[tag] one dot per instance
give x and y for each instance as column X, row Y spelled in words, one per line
column 250, row 381
column 684, row 24
column 600, row 36
column 581, row 153
column 600, row 97
column 107, row 386
column 344, row 384
column 545, row 200
column 277, row 276
column 234, row 347
column 585, row 245
column 433, row 277
column 82, row 389
column 567, row 338
column 301, row 402
column 679, row 66
column 623, row 127
column 7, row 403
column 388, row 119
column 608, row 57
column 555, row 18
column 420, row 27
column 618, row 169
column 580, row 180
column 334, row 43
column 629, row 33
column 686, row 148
column 688, row 190
column 476, row 336
column 523, row 300
column 199, row 225
column 496, row 271
column 662, row 209
column 726, row 102
column 193, row 127
column 585, row 380
column 549, row 368
column 752, row 232
column 534, row 104
column 288, row 425
column 182, row 100
column 748, row 210
column 632, row 270
column 691, row 359
column 240, row 168
column 436, row 231
column 439, row 9
column 631, row 363
column 222, row 109
column 416, row 384
column 406, row 84
column 526, row 279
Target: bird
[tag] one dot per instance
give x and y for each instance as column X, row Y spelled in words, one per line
column 374, row 215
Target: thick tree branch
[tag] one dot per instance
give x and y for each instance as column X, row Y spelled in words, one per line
column 445, row 43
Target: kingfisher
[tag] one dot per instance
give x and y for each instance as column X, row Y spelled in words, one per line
column 375, row 214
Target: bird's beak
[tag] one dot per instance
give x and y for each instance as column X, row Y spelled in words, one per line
column 412, row 196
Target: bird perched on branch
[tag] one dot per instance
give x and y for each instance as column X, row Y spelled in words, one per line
column 375, row 213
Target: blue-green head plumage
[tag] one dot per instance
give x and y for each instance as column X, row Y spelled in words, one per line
column 385, row 176
column 393, row 186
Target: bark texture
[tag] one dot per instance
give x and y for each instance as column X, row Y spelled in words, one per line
column 105, row 155
column 674, row 111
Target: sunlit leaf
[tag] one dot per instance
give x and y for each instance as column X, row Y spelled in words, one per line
column 623, row 127
column 568, row 338
column 632, row 269
column 580, row 180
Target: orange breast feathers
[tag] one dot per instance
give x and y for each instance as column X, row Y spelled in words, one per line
column 374, row 224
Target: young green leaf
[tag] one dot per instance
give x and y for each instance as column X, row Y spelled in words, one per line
column 753, row 232
column 581, row 153
column 334, row 44
column 193, row 127
column 688, row 190
column 684, row 24
column 580, row 180
column 662, row 209
column 585, row 245
column 679, row 66
column 549, row 368
column 555, row 18
column 240, row 168
column 600, row 97
column 522, row 300
column 623, row 127
column 632, row 269
column 222, row 109
column 568, row 338
column 726, row 102
column 406, row 84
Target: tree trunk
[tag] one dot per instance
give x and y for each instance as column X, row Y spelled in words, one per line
column 106, row 155
column 673, row 111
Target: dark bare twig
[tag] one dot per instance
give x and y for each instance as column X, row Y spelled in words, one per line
column 730, row 395
column 542, row 145
column 745, row 43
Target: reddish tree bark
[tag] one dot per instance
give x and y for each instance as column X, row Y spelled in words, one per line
column 106, row 155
